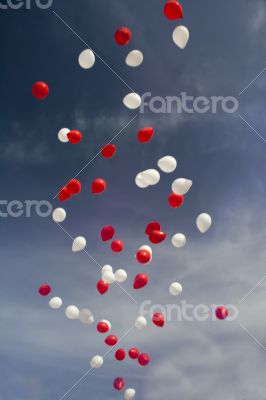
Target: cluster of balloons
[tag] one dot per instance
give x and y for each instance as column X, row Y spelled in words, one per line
column 65, row 135
column 151, row 177
column 119, row 384
column 72, row 188
column 174, row 11
column 154, row 232
column 134, row 354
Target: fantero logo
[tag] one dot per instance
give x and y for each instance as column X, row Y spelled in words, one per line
column 25, row 4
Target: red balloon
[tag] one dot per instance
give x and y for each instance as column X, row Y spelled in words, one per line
column 102, row 327
column 119, row 383
column 102, row 287
column 111, row 340
column 107, row 233
column 74, row 186
column 141, row 280
column 108, row 151
column 123, row 36
column 158, row 319
column 157, row 236
column 152, row 226
column 144, row 359
column 98, row 186
column 175, row 200
column 133, row 353
column 44, row 290
column 173, row 10
column 221, row 312
column 120, row 354
column 145, row 134
column 64, row 194
column 40, row 90
column 74, row 136
column 143, row 256
column 117, row 246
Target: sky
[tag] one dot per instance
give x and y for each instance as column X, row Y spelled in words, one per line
column 43, row 354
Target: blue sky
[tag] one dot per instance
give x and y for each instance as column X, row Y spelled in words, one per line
column 43, row 353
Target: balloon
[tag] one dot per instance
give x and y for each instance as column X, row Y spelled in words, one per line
column 107, row 233
column 120, row 275
column 44, row 290
column 119, row 383
column 132, row 101
column 221, row 313
column 140, row 182
column 133, row 353
column 102, row 327
column 175, row 200
column 145, row 134
column 150, row 176
column 173, row 10
column 144, row 359
column 134, row 58
column 152, row 226
column 64, row 194
column 167, row 164
column 181, row 186
column 143, row 256
column 96, row 362
column 106, row 268
column 98, row 186
column 86, row 59
column 157, row 237
column 59, row 215
column 141, row 280
column 108, row 151
column 147, row 248
column 179, row 240
column 120, row 354
column 55, row 303
column 74, row 136
column 129, row 394
column 158, row 319
column 72, row 312
column 102, row 287
column 117, row 246
column 123, row 36
column 111, row 340
column 181, row 36
column 62, row 135
column 40, row 90
column 79, row 244
column 74, row 186
column 140, row 323
column 108, row 277
column 204, row 222
column 175, row 289
column 86, row 316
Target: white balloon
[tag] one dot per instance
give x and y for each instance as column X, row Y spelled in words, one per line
column 181, row 185
column 59, row 215
column 62, row 135
column 72, row 312
column 134, row 58
column 175, row 289
column 129, row 394
column 108, row 277
column 204, row 222
column 108, row 323
column 86, row 59
column 179, row 240
column 181, row 36
column 96, row 362
column 150, row 176
column 140, row 182
column 86, row 316
column 140, row 323
column 120, row 275
column 79, row 244
column 167, row 164
column 146, row 247
column 106, row 268
column 132, row 101
column 55, row 303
